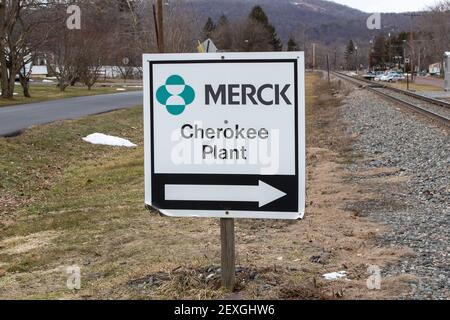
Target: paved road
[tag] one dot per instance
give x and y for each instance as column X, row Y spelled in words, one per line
column 19, row 117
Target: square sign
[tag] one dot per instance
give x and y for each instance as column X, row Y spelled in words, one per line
column 225, row 134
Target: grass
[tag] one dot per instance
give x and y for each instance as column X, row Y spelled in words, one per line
column 65, row 202
column 40, row 93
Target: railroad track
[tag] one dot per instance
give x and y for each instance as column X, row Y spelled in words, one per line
column 432, row 108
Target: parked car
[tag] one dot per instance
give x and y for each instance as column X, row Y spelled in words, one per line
column 378, row 75
column 400, row 77
column 392, row 77
column 369, row 76
column 386, row 77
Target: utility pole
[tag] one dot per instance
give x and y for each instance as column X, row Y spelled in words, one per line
column 328, row 69
column 411, row 39
column 404, row 56
column 160, row 26
column 419, row 60
column 335, row 59
column 411, row 42
column 390, row 51
column 407, row 80
column 314, row 57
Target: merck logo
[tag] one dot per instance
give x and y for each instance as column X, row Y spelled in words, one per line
column 175, row 95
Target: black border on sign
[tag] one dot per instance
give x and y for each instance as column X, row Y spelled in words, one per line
column 215, row 61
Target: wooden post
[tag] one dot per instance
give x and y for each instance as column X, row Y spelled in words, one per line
column 155, row 21
column 407, row 77
column 407, row 81
column 328, row 68
column 160, row 23
column 314, row 56
column 228, row 253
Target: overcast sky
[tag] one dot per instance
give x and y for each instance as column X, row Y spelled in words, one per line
column 387, row 5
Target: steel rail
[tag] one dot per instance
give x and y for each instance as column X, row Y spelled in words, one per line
column 373, row 88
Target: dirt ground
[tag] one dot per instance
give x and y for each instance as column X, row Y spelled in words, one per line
column 65, row 203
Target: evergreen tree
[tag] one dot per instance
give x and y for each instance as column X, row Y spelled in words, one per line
column 349, row 53
column 292, row 45
column 259, row 16
column 276, row 42
column 379, row 55
column 209, row 28
column 223, row 21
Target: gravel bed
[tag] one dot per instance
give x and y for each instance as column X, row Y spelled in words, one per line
column 423, row 104
column 418, row 211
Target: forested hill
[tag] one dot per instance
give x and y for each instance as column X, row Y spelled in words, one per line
column 323, row 21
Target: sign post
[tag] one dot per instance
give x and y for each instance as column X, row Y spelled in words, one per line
column 446, row 65
column 407, row 62
column 228, row 256
column 225, row 138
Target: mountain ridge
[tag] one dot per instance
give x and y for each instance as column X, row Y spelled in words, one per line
column 323, row 21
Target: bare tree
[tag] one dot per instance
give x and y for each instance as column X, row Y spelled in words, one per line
column 20, row 21
column 436, row 32
column 25, row 74
column 79, row 55
column 130, row 33
column 182, row 28
column 241, row 35
column 62, row 58
column 89, row 60
column 252, row 36
column 223, row 34
column 91, row 47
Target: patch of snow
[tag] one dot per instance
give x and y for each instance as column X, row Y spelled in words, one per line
column 15, row 94
column 103, row 139
column 121, row 89
column 48, row 81
column 335, row 275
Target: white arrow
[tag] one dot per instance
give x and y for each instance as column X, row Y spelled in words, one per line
column 262, row 193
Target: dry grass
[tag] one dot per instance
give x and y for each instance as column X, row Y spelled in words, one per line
column 416, row 87
column 72, row 203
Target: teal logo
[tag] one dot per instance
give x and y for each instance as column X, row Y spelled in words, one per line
column 175, row 95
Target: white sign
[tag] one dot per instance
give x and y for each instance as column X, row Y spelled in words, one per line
column 225, row 134
column 208, row 46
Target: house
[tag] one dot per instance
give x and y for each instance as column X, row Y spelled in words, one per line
column 39, row 71
column 435, row 68
column 38, row 68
